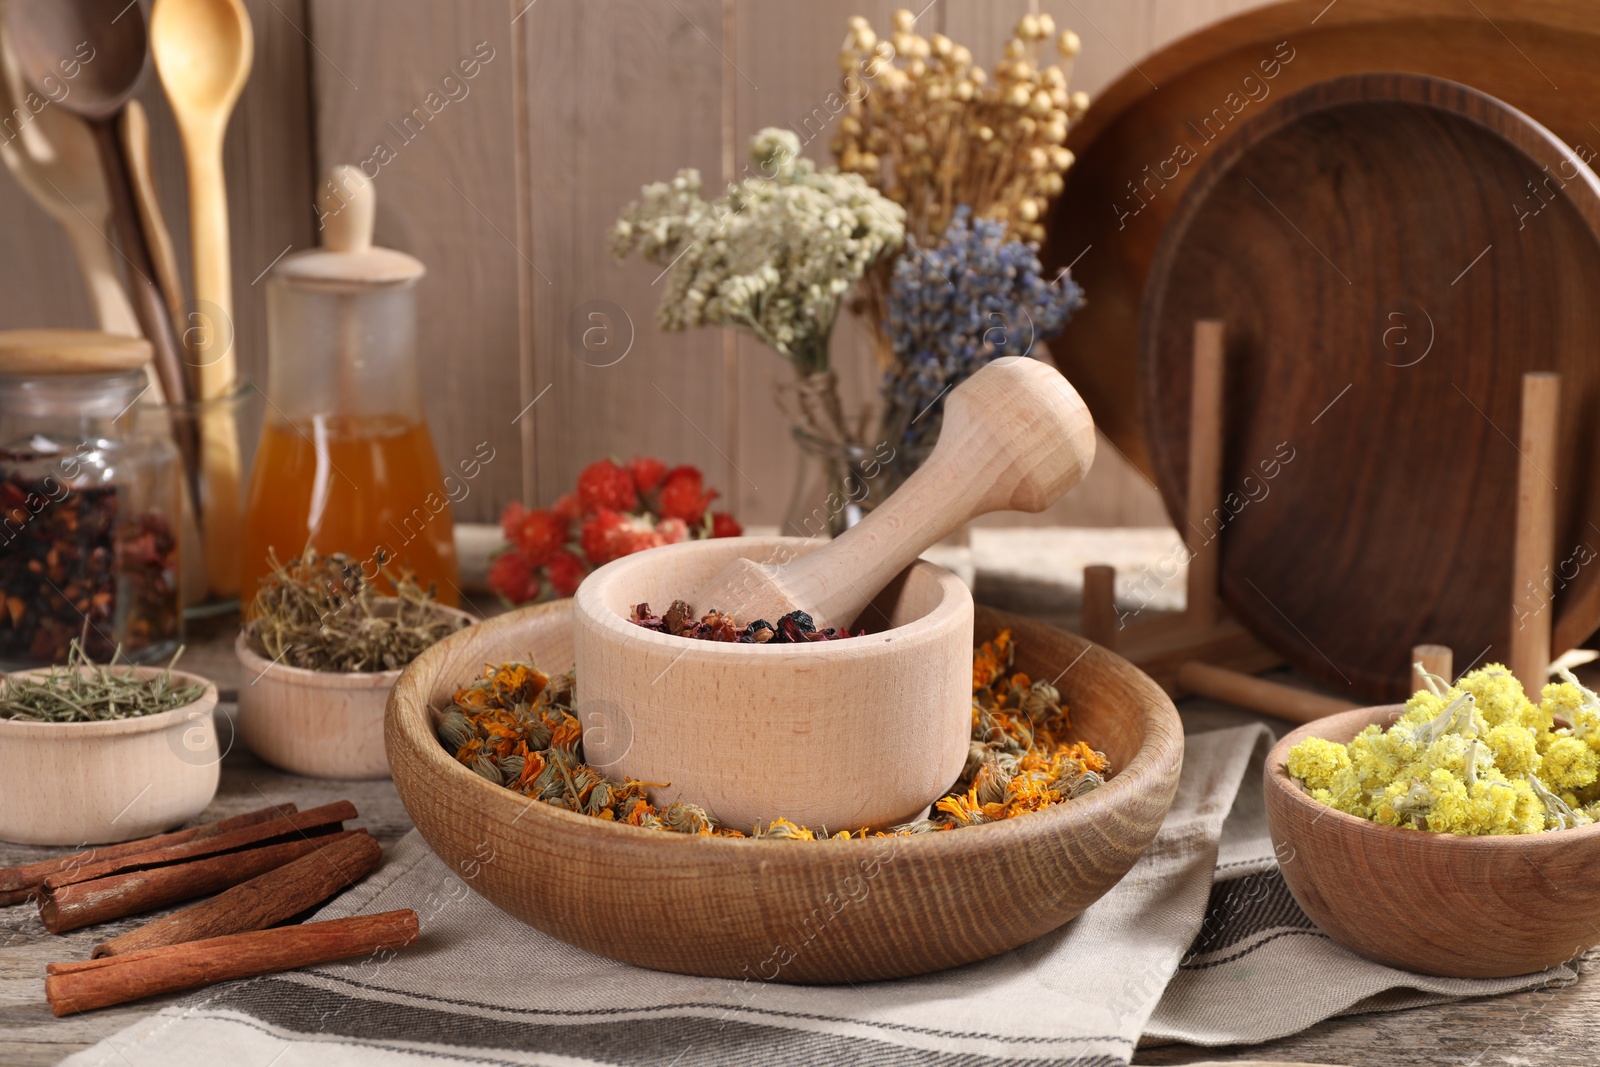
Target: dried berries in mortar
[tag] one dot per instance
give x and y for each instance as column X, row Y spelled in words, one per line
column 795, row 628
column 516, row 727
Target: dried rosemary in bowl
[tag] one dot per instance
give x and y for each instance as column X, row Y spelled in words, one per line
column 82, row 691
column 320, row 614
column 515, row 726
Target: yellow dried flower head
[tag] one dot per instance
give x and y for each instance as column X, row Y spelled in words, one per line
column 1473, row 758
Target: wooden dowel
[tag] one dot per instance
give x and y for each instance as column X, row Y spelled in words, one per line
column 263, row 901
column 1435, row 659
column 100, row 900
column 1202, row 521
column 1258, row 694
column 1533, row 553
column 297, row 824
column 1100, row 604
column 77, row 987
column 26, row 880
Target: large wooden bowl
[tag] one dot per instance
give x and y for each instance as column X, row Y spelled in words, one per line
column 806, row 912
column 866, row 731
column 1444, row 904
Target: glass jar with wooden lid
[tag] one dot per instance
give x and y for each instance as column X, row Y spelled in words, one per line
column 90, row 502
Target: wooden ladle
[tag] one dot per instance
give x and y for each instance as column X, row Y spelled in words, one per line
column 52, row 154
column 203, row 52
column 107, row 38
column 1016, row 437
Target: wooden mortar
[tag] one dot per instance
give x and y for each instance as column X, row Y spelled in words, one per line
column 866, row 731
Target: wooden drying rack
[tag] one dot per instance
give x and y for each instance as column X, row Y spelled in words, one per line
column 1204, row 651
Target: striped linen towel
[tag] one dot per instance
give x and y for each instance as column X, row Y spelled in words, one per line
column 482, row 988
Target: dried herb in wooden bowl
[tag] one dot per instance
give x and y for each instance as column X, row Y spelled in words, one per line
column 795, row 628
column 320, row 614
column 82, row 691
column 515, row 726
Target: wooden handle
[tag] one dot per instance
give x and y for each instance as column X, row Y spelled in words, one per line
column 1016, row 437
column 211, row 333
column 148, row 304
column 1257, row 694
column 1533, row 553
column 213, row 272
column 110, row 300
column 347, row 206
column 1100, row 605
column 1202, row 502
column 135, row 133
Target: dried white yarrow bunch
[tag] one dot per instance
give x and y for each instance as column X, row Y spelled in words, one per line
column 775, row 256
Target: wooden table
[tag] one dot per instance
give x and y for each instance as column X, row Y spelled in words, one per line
column 1555, row 1027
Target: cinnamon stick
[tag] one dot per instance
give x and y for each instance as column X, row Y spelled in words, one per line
column 77, row 904
column 295, row 825
column 263, row 901
column 109, row 980
column 20, row 883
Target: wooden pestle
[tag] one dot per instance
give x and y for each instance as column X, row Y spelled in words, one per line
column 1016, row 437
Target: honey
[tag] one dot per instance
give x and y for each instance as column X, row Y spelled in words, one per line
column 357, row 484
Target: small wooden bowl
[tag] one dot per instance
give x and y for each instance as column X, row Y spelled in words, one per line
column 93, row 783
column 793, row 911
column 866, row 731
column 319, row 724
column 1442, row 904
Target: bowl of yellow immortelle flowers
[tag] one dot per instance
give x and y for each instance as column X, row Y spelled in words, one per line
column 1455, row 834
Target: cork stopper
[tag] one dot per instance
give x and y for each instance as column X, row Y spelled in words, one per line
column 347, row 204
column 35, row 353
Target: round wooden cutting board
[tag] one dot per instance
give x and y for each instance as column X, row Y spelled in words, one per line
column 1390, row 253
column 1133, row 145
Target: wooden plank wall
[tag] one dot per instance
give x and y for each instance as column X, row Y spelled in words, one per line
column 505, row 184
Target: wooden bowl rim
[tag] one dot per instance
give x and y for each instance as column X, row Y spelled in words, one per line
column 251, row 660
column 1161, row 752
column 206, row 703
column 955, row 603
column 1269, row 23
column 1278, row 779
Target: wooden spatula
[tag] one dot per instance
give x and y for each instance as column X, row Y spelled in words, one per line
column 1016, row 437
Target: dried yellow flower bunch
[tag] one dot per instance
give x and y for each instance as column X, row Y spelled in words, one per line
column 932, row 131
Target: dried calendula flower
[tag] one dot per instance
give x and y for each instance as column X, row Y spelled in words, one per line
column 516, row 727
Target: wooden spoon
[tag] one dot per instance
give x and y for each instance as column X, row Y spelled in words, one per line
column 203, row 50
column 52, row 154
column 107, row 39
column 136, row 142
column 1016, row 437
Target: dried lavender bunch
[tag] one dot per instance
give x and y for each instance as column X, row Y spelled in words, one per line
column 318, row 613
column 977, row 296
column 81, row 691
column 795, row 628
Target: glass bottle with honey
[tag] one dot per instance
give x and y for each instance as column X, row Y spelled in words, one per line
column 346, row 463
